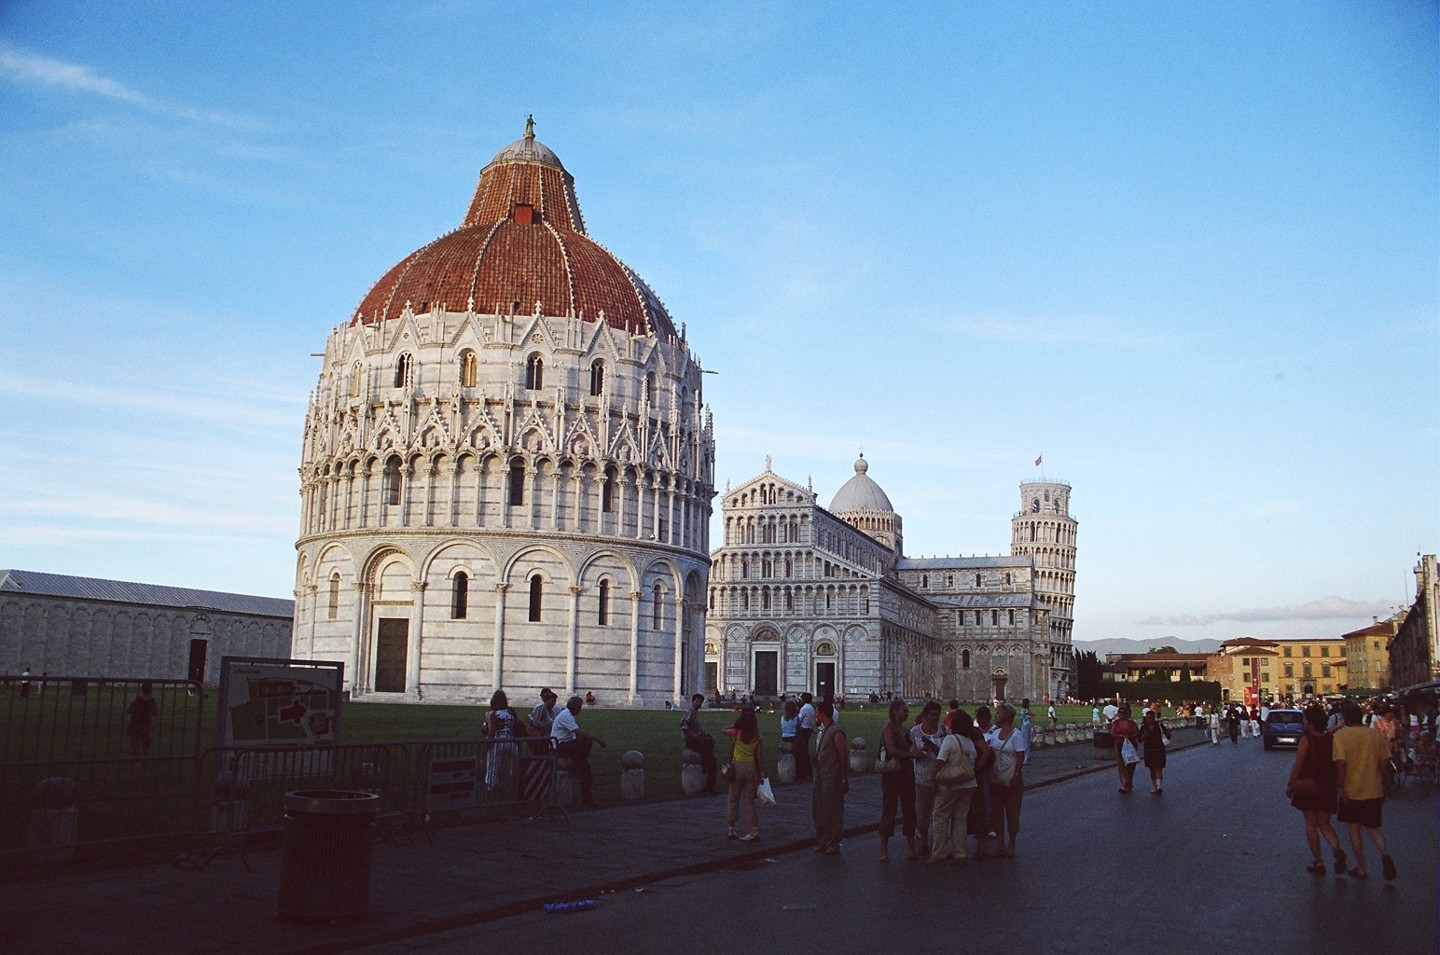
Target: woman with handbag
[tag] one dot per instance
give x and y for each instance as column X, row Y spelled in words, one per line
column 1153, row 735
column 955, row 768
column 1312, row 789
column 1007, row 781
column 745, row 771
column 1126, row 734
column 897, row 779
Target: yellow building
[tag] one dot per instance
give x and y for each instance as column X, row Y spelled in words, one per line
column 1249, row 669
column 1367, row 653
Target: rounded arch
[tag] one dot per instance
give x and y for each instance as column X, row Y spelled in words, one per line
column 466, row 554
column 381, row 553
column 606, row 562
column 663, row 566
column 525, row 554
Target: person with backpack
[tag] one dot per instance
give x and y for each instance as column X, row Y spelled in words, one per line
column 954, row 787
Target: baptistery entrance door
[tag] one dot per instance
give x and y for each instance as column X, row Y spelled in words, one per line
column 391, row 640
column 767, row 673
column 824, row 681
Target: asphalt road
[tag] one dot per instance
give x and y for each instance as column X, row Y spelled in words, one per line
column 1216, row 864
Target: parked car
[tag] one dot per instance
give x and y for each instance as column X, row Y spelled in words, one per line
column 1282, row 728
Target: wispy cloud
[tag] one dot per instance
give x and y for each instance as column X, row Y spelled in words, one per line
column 1326, row 608
column 20, row 66
column 1066, row 330
column 236, row 409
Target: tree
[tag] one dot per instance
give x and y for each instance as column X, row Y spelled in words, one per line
column 1167, row 648
column 1087, row 675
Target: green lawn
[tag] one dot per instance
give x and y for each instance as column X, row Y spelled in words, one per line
column 119, row 800
column 655, row 733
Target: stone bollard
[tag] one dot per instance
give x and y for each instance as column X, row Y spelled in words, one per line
column 230, row 809
column 785, row 762
column 632, row 775
column 1072, row 733
column 51, row 838
column 1050, row 738
column 692, row 774
column 565, row 787
column 366, row 778
column 859, row 762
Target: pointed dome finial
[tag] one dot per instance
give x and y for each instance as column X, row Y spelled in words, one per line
column 530, row 126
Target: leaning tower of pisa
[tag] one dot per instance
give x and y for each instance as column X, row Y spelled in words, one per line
column 1044, row 530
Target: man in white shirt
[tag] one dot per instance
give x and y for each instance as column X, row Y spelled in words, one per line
column 804, row 729
column 1111, row 711
column 574, row 744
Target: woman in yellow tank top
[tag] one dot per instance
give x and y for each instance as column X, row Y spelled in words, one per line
column 747, row 769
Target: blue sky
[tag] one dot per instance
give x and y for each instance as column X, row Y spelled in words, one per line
column 1187, row 252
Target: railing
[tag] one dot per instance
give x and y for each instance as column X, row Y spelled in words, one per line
column 226, row 795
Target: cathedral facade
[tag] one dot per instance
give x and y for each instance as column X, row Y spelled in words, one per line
column 808, row 598
column 507, row 467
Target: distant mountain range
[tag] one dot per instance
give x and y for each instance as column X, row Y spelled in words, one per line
column 1118, row 645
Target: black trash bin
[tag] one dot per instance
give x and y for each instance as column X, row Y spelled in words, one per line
column 325, row 864
column 1104, row 745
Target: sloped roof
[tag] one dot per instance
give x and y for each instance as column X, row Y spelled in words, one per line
column 156, row 595
column 963, row 563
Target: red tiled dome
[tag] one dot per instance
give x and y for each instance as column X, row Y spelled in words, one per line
column 523, row 240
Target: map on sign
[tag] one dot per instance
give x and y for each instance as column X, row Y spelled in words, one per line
column 279, row 702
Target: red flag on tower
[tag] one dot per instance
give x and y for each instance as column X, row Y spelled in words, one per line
column 1039, row 459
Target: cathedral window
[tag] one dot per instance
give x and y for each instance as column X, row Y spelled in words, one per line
column 765, row 598
column 977, row 580
column 402, row 371
column 517, row 482
column 469, row 369
column 765, row 568
column 334, row 609
column 789, row 567
column 460, row 596
column 789, row 600
column 602, row 617
column 597, row 377
column 744, row 600
column 924, row 581
column 650, row 388
column 537, row 589
column 994, row 618
column 964, row 659
column 607, row 491
column 657, row 609
column 392, row 480
column 744, row 568
column 1012, row 618
column 1007, row 579
column 949, row 581
column 534, row 372
column 864, row 603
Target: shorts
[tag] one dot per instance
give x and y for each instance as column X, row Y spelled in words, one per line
column 1361, row 812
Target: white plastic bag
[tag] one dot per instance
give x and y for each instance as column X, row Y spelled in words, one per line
column 1128, row 753
column 765, row 793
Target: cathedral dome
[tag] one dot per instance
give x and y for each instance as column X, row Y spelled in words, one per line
column 522, row 241
column 860, row 493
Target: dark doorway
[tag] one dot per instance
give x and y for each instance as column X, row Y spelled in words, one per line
column 196, row 670
column 712, row 677
column 767, row 672
column 825, row 681
column 390, row 644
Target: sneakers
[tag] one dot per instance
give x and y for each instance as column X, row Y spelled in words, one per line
column 750, row 836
